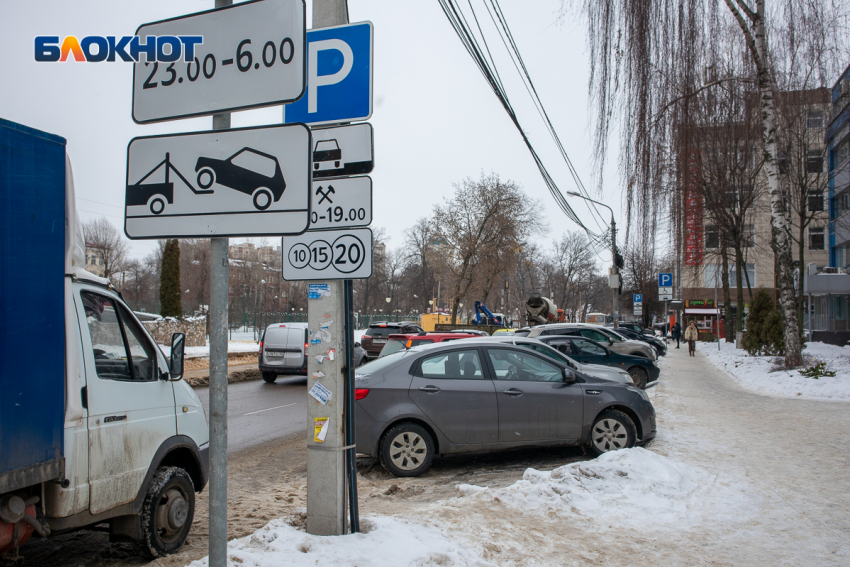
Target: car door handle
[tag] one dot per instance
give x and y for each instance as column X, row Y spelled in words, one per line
column 429, row 389
column 512, row 392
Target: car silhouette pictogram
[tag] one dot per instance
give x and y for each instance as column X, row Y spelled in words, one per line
column 248, row 171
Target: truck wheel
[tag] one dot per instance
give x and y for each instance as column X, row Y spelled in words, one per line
column 157, row 205
column 206, row 177
column 269, row 377
column 167, row 512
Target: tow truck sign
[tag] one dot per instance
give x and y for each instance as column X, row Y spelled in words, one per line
column 240, row 182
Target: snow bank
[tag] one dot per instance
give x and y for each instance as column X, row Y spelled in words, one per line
column 758, row 373
column 387, row 542
column 635, row 487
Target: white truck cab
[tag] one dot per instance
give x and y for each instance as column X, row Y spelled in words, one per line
column 97, row 427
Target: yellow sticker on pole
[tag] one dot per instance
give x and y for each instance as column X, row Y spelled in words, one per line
column 320, row 429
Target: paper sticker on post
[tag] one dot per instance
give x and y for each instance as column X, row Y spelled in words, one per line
column 318, row 290
column 320, row 429
column 320, row 393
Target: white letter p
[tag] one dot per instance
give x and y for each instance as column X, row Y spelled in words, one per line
column 314, row 80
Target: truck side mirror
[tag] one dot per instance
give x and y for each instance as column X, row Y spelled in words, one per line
column 569, row 376
column 178, row 342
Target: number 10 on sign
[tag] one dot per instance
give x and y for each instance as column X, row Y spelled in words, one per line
column 328, row 255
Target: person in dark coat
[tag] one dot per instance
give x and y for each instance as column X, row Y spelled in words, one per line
column 677, row 333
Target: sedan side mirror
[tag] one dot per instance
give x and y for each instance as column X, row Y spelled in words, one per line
column 178, row 342
column 569, row 376
column 356, row 345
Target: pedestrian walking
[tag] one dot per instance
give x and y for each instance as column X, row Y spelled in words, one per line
column 677, row 333
column 691, row 335
column 664, row 331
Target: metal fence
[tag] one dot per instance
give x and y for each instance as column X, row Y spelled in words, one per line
column 255, row 322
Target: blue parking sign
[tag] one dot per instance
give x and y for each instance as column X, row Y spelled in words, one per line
column 665, row 280
column 638, row 298
column 339, row 76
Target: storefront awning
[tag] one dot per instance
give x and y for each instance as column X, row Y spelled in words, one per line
column 700, row 311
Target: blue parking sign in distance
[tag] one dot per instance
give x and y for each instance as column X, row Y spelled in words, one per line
column 339, row 76
column 665, row 280
column 638, row 298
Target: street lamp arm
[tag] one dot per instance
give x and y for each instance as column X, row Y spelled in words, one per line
column 580, row 196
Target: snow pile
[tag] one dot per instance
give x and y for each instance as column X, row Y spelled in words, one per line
column 759, row 373
column 386, row 542
column 636, row 487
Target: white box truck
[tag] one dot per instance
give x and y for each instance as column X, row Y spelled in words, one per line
column 96, row 426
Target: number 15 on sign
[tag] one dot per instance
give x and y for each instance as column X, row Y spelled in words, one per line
column 328, row 255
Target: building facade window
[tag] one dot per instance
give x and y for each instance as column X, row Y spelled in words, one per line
column 713, row 271
column 817, row 239
column 814, row 161
column 814, row 119
column 712, row 237
column 814, row 201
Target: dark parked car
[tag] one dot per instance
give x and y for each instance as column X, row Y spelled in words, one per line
column 378, row 333
column 248, row 171
column 656, row 343
column 644, row 372
column 481, row 395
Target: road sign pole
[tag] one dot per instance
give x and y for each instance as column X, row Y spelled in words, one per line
column 219, row 274
column 325, row 454
column 615, row 291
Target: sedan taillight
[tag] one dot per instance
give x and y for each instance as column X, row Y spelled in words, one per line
column 360, row 393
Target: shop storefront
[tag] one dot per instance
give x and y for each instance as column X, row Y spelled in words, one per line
column 706, row 315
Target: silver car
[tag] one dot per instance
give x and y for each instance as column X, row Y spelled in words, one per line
column 484, row 395
column 607, row 337
column 596, row 370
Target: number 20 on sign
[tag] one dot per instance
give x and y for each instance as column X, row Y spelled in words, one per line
column 328, row 255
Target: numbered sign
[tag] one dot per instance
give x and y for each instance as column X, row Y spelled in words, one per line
column 328, row 255
column 240, row 182
column 253, row 54
column 341, row 203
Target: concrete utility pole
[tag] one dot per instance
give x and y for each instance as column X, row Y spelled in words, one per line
column 219, row 284
column 326, row 322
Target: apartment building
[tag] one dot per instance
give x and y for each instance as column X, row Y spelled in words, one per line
column 744, row 204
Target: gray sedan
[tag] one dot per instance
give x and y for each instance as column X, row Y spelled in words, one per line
column 479, row 395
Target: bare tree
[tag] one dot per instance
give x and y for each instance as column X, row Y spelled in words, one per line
column 102, row 235
column 482, row 217
column 648, row 61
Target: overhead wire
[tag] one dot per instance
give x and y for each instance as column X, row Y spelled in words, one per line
column 487, row 66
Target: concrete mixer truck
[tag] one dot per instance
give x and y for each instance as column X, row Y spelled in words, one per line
column 540, row 310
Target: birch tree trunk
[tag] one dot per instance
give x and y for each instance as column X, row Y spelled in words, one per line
column 780, row 218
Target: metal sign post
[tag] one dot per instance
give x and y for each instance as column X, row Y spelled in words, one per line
column 253, row 55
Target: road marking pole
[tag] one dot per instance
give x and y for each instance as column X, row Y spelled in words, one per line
column 219, row 283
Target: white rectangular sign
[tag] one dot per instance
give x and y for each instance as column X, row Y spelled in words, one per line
column 344, row 150
column 253, row 54
column 240, row 182
column 638, row 310
column 328, row 255
column 341, row 203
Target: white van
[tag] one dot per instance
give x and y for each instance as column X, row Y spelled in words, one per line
column 283, row 350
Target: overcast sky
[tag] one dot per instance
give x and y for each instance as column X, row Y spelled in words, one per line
column 436, row 120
